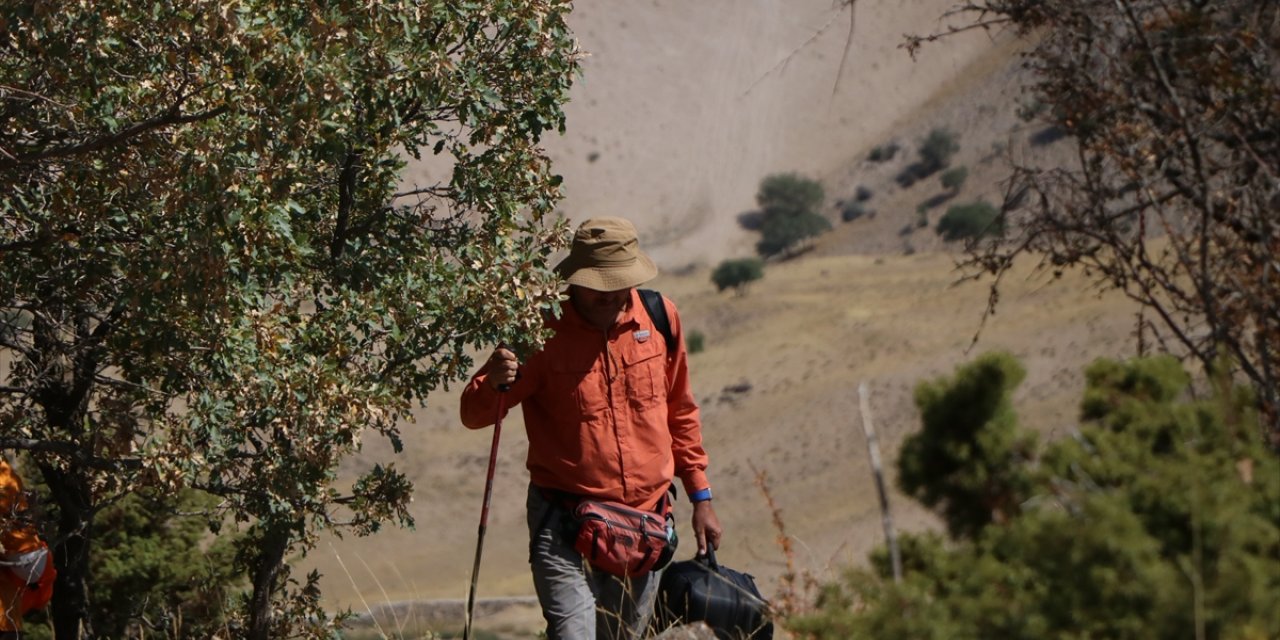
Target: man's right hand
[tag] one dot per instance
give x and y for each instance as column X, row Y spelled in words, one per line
column 502, row 368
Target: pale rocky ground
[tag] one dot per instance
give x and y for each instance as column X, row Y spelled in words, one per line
column 682, row 109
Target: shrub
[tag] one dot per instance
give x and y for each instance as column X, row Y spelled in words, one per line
column 852, row 211
column 884, row 152
column 695, row 342
column 909, row 175
column 863, row 193
column 936, row 150
column 737, row 274
column 970, row 221
column 953, row 179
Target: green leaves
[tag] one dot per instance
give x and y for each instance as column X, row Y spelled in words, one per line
column 200, row 216
column 1157, row 517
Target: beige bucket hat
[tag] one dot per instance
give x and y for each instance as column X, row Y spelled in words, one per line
column 606, row 256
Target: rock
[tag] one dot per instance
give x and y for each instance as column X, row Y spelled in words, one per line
column 695, row 631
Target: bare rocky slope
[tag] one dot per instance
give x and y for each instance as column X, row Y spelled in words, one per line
column 682, row 109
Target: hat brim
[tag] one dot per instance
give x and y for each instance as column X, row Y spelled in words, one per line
column 608, row 277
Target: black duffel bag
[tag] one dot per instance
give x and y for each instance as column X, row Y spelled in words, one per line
column 727, row 600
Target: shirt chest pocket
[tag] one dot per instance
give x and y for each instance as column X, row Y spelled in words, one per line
column 646, row 374
column 580, row 377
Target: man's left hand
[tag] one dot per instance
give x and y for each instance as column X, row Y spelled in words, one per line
column 706, row 526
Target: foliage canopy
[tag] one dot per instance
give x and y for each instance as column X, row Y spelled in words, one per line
column 737, row 274
column 789, row 204
column 973, row 220
column 214, row 276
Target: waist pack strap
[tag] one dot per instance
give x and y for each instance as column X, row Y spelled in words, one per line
column 567, row 502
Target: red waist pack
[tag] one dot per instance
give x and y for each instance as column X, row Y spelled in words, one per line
column 35, row 574
column 624, row 541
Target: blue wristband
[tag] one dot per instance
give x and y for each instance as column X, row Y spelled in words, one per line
column 702, row 495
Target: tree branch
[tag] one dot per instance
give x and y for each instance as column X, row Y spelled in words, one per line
column 170, row 117
column 73, row 451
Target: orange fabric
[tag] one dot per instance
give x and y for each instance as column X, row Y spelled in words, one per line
column 607, row 414
column 16, row 536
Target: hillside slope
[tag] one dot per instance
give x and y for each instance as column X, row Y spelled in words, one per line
column 680, row 113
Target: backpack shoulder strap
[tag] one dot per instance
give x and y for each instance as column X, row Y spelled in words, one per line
column 658, row 313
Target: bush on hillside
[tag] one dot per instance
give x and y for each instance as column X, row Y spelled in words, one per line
column 884, row 152
column 695, row 342
column 936, row 151
column 737, row 274
column 852, row 211
column 953, row 179
column 1157, row 516
column 964, row 221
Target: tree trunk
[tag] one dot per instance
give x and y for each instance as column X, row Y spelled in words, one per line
column 70, row 606
column 266, row 571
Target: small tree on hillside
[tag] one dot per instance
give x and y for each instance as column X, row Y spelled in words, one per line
column 737, row 274
column 789, row 194
column 782, row 234
column 789, row 206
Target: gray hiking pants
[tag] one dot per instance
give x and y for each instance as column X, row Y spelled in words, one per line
column 578, row 601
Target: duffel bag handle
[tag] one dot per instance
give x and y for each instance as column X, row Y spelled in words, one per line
column 709, row 558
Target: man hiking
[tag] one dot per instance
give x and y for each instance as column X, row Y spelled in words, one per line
column 610, row 417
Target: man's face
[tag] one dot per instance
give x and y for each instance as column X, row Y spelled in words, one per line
column 600, row 308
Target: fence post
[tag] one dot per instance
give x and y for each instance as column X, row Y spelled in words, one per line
column 873, row 447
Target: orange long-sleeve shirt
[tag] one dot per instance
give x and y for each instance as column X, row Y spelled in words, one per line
column 608, row 415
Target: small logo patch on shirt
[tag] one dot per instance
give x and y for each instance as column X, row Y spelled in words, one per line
column 641, row 335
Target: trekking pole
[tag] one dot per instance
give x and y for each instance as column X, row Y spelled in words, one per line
column 484, row 511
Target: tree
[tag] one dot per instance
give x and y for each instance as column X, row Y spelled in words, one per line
column 213, row 277
column 789, row 194
column 788, row 204
column 965, row 461
column 781, row 234
column 1171, row 106
column 737, row 274
column 973, row 220
column 154, row 572
column 1156, row 519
